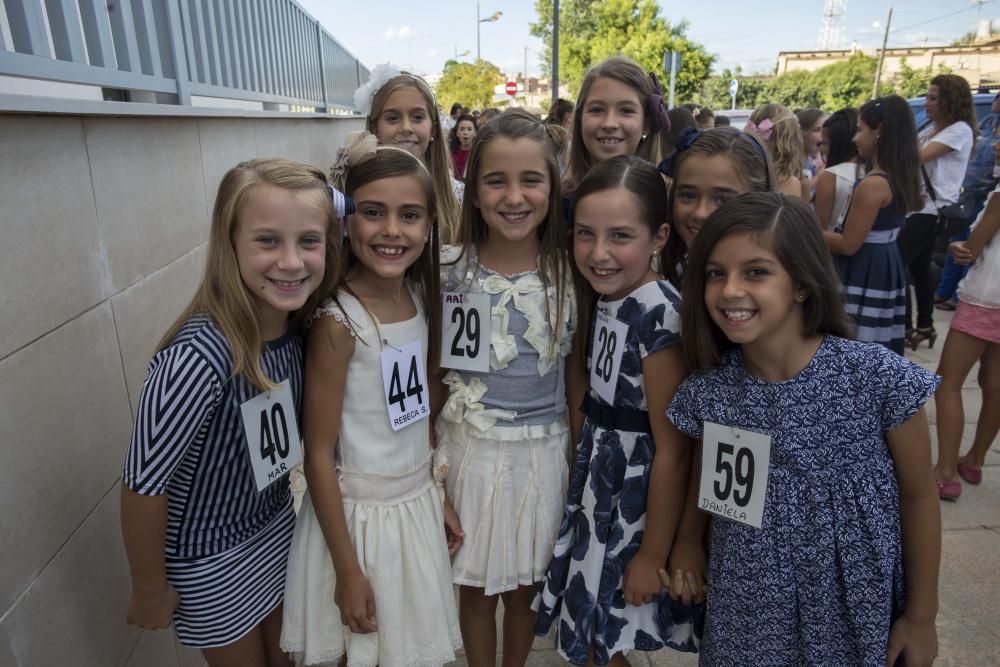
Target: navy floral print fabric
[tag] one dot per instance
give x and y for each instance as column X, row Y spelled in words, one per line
column 602, row 527
column 821, row 581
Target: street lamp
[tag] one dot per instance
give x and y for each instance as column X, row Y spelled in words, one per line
column 495, row 16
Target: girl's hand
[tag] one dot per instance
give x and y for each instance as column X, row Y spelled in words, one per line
column 961, row 253
column 641, row 579
column 356, row 600
column 452, row 528
column 916, row 642
column 153, row 610
column 686, row 573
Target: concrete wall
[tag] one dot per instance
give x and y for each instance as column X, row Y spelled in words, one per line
column 104, row 222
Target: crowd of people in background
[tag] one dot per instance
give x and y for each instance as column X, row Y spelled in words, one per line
column 537, row 348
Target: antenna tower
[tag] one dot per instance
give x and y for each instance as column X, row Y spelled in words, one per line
column 831, row 32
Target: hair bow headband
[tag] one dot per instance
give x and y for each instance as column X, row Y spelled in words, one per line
column 764, row 129
column 656, row 108
column 684, row 140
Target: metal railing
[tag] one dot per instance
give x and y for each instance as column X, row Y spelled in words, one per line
column 268, row 51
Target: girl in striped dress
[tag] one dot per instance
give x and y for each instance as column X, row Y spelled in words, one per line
column 206, row 510
column 865, row 251
column 369, row 578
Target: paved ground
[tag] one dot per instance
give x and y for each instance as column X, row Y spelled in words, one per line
column 969, row 618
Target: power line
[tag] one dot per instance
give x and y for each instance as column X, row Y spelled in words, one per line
column 932, row 20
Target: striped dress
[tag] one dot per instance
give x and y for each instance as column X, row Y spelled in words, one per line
column 874, row 281
column 226, row 543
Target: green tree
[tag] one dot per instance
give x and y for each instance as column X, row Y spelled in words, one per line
column 912, row 82
column 592, row 30
column 471, row 84
column 714, row 92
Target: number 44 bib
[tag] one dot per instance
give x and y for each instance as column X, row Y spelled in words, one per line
column 404, row 378
column 734, row 465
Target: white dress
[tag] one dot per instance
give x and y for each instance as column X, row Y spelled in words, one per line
column 847, row 175
column 395, row 519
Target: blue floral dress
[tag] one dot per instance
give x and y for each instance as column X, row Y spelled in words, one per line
column 605, row 515
column 821, row 581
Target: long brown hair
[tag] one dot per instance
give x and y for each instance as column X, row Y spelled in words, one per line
column 437, row 158
column 391, row 162
column 626, row 71
column 896, row 148
column 787, row 226
column 223, row 295
column 638, row 177
column 553, row 260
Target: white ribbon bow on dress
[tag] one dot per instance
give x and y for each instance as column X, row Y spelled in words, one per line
column 463, row 404
column 503, row 347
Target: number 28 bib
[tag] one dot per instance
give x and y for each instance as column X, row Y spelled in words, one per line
column 405, row 381
column 610, row 336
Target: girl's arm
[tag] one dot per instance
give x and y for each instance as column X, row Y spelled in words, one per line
column 663, row 371
column 914, row 634
column 329, row 352
column 144, row 528
column 933, row 150
column 870, row 196
column 984, row 231
column 577, row 384
column 826, row 189
column 791, row 187
column 687, row 568
column 452, row 524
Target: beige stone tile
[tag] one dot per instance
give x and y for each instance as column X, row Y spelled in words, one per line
column 144, row 311
column 968, row 632
column 666, row 658
column 150, row 192
column 64, row 425
column 74, row 612
column 188, row 657
column 312, row 141
column 155, row 649
column 224, row 144
column 978, row 506
column 51, row 260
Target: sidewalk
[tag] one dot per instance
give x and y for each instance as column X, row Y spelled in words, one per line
column 969, row 619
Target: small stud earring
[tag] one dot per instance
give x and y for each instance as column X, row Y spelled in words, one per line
column 643, row 137
column 801, row 297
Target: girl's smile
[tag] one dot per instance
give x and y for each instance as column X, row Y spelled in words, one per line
column 388, row 231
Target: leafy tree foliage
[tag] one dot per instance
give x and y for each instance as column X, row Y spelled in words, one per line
column 911, row 82
column 471, row 84
column 592, row 30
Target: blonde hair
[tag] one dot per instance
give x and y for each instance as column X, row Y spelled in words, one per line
column 223, row 295
column 785, row 139
column 437, row 158
column 626, row 71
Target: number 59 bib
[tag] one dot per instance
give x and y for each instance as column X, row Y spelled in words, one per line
column 606, row 354
column 405, row 381
column 734, row 465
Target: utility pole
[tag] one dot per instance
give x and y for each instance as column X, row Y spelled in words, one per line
column 555, row 50
column 881, row 56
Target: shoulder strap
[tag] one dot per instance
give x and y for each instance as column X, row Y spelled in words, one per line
column 927, row 182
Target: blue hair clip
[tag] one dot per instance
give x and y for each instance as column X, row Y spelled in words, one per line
column 343, row 206
column 684, row 140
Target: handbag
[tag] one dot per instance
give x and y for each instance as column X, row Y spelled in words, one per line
column 955, row 218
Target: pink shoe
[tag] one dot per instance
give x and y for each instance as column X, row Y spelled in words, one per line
column 970, row 474
column 949, row 490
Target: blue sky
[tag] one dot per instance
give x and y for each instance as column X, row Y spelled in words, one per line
column 750, row 33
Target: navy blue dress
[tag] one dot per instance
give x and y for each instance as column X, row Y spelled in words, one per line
column 605, row 515
column 874, row 281
column 821, row 581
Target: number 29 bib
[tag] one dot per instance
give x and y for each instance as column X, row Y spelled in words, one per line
column 405, row 381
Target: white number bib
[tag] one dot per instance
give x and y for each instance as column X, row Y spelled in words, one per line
column 606, row 354
column 405, row 381
column 734, row 465
column 272, row 434
column 465, row 343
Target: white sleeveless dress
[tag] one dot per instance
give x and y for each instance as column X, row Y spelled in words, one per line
column 395, row 519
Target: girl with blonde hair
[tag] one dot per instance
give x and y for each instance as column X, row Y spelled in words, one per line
column 779, row 127
column 206, row 510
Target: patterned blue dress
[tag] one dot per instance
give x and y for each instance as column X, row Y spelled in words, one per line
column 605, row 515
column 821, row 581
